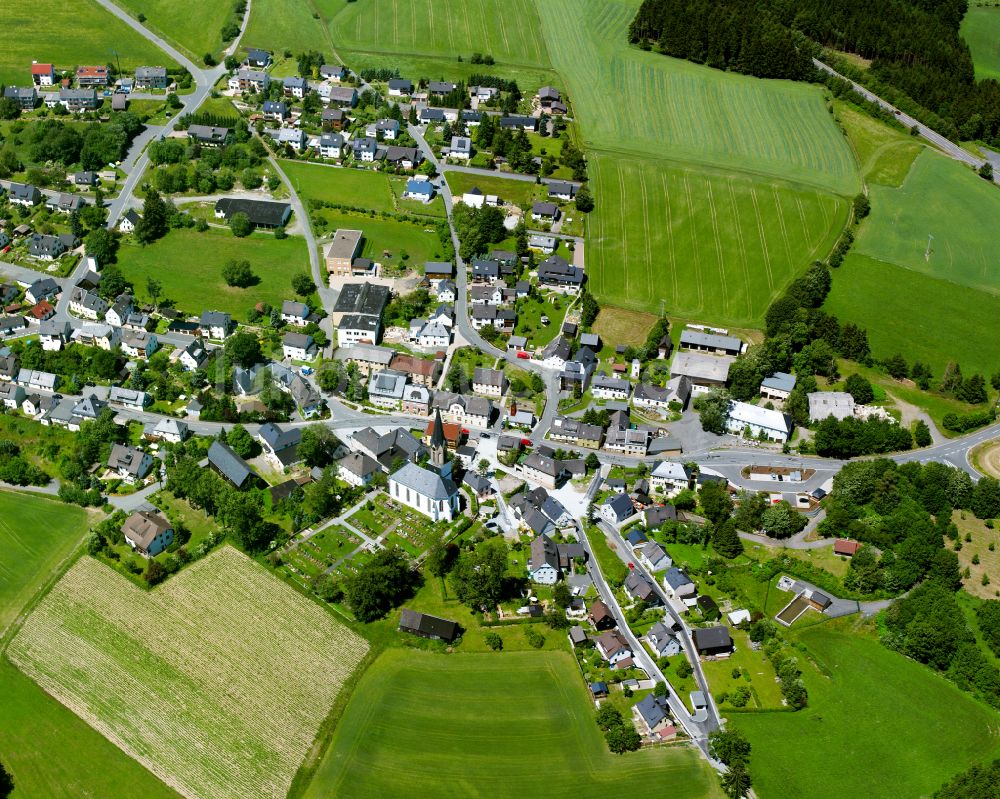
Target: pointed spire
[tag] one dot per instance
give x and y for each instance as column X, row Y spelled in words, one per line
column 438, row 444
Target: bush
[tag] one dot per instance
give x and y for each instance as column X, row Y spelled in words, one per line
column 535, row 639
column 493, row 641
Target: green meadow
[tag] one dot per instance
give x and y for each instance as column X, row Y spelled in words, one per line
column 36, row 535
column 926, row 318
column 192, row 26
column 279, row 25
column 638, row 103
column 361, row 188
column 710, row 245
column 500, row 725
column 852, row 740
column 981, row 30
column 67, row 35
column 509, row 30
column 189, row 265
column 386, row 240
column 946, row 200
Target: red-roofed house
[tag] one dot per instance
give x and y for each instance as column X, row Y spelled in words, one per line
column 843, row 546
column 43, row 74
column 91, row 76
column 43, row 311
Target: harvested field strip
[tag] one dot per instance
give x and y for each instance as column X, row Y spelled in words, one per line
column 216, row 681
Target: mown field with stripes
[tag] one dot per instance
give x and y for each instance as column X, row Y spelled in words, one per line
column 631, row 101
column 508, row 30
column 712, row 245
column 521, row 724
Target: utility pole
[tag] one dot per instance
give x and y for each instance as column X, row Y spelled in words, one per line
column 927, row 252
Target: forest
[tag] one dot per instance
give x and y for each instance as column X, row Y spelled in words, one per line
column 914, row 47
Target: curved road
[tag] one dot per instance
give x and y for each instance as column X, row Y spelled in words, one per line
column 945, row 145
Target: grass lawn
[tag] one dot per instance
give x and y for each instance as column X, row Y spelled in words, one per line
column 392, row 236
column 711, row 245
column 509, row 30
column 510, row 717
column 39, row 443
column 902, row 729
column 948, row 327
column 41, row 35
column 36, row 535
column 757, row 675
column 192, row 26
column 691, row 112
column 981, row 29
column 362, row 188
column 53, row 754
column 189, row 266
column 222, row 106
column 978, row 547
column 217, row 681
column 519, row 192
column 529, row 315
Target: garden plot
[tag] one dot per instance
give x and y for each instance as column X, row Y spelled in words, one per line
column 216, row 681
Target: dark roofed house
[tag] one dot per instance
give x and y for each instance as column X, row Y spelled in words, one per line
column 230, row 465
column 148, row 533
column 601, row 617
column 712, row 641
column 262, row 213
column 209, row 135
column 257, row 58
column 426, row 626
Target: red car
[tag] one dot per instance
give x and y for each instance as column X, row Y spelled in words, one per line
column 524, row 356
column 525, row 442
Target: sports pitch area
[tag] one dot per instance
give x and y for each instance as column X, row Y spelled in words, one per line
column 519, row 724
column 508, row 30
column 711, row 245
column 67, row 35
column 850, row 742
column 217, row 681
column 981, row 29
column 36, row 534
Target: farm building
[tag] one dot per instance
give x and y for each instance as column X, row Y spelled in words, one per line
column 426, row 626
column 712, row 641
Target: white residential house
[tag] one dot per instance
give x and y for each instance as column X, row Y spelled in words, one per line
column 119, row 312
column 130, row 464
column 172, row 430
column 654, row 557
column 216, row 324
column 295, row 313
column 678, row 585
column 613, row 388
column 331, row 145
column 754, row 421
column 778, row 386
column 613, row 647
column 663, row 640
column 98, row 335
column 52, row 335
column 298, row 347
column 193, row 356
column 474, row 198
column 11, row 395
column 670, row 477
column 426, row 491
column 489, row 382
column 357, row 469
column 87, row 305
column 461, row 148
column 139, row 344
column 129, row 398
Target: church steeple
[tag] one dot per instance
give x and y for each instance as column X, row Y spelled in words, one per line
column 439, row 447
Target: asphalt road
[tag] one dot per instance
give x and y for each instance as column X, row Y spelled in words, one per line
column 945, row 145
